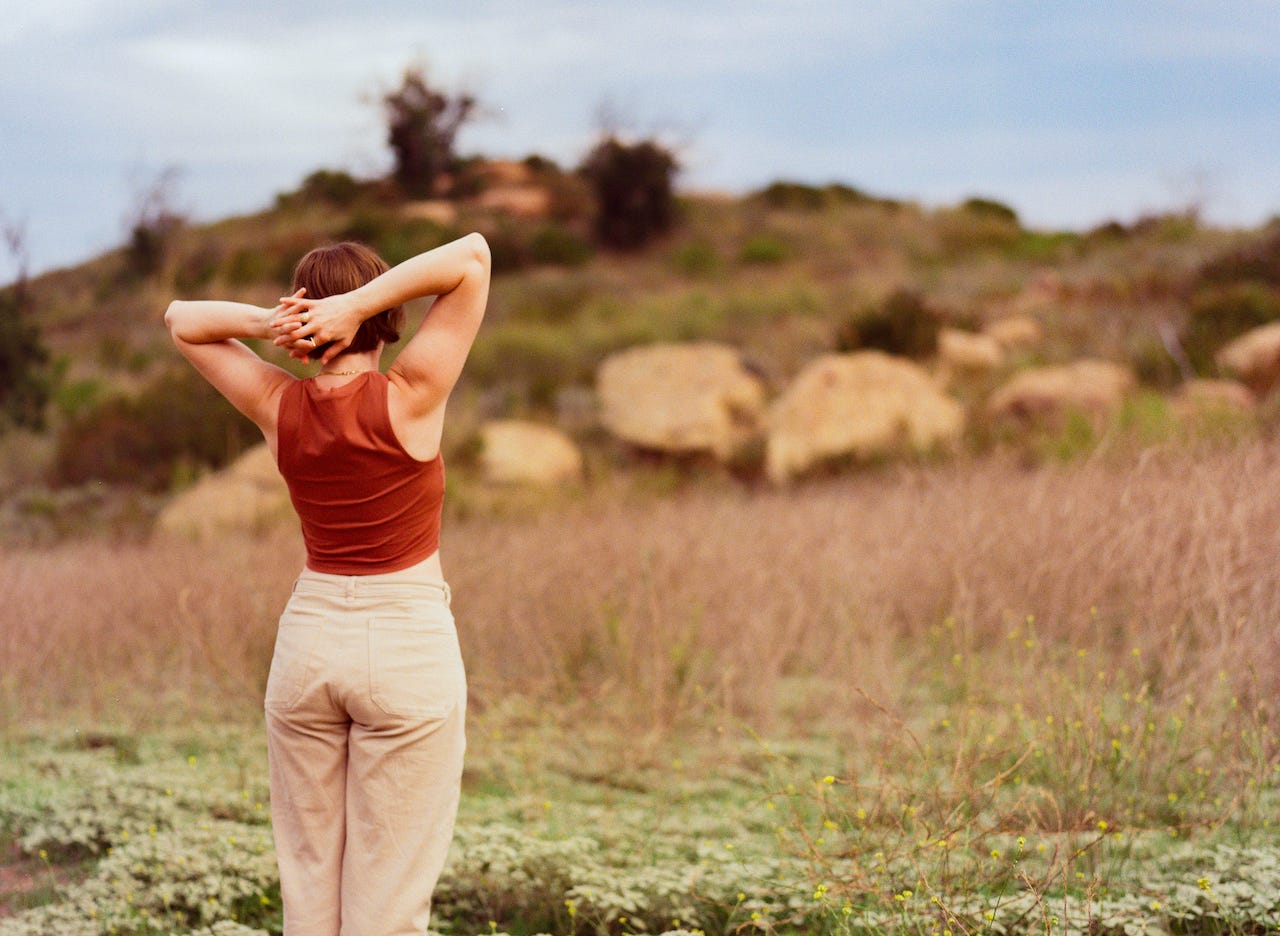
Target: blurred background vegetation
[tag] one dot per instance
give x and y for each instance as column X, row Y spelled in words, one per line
column 590, row 259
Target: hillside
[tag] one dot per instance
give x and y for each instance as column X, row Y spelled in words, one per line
column 781, row 275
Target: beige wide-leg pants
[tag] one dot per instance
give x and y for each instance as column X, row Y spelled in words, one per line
column 365, row 709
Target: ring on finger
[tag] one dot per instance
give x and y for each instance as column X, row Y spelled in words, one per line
column 305, row 318
column 312, row 339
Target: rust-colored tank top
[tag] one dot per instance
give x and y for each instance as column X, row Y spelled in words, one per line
column 366, row 505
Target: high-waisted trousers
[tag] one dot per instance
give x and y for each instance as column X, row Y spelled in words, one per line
column 365, row 709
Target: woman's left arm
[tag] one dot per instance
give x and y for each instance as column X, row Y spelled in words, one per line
column 206, row 333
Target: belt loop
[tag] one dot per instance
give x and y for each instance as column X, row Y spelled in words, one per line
column 351, row 587
column 448, row 594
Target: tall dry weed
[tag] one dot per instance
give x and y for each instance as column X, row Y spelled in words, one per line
column 761, row 604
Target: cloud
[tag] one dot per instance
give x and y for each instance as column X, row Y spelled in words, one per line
column 911, row 97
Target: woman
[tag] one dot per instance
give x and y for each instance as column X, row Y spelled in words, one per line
column 366, row 698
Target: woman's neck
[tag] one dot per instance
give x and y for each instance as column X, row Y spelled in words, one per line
column 345, row 365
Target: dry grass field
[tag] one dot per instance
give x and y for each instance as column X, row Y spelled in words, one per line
column 767, row 606
column 977, row 655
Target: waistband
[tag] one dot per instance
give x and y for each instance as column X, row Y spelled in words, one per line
column 411, row 581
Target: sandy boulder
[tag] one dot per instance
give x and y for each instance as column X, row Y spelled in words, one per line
column 962, row 352
column 1015, row 332
column 680, row 398
column 1254, row 357
column 862, row 405
column 247, row 496
column 513, row 451
column 1215, row 396
column 438, row 210
column 1091, row 386
column 521, row 201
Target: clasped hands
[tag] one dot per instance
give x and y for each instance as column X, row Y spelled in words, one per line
column 301, row 325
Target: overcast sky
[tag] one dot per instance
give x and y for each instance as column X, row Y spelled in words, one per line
column 1071, row 112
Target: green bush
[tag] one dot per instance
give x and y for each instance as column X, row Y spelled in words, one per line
column 634, row 188
column 988, row 208
column 509, row 248
column 551, row 301
column 802, row 197
column 697, row 259
column 557, row 245
column 73, row 399
column 1220, row 313
column 901, row 324
column 968, row 229
column 178, row 419
column 332, row 186
column 26, row 378
column 395, row 238
column 763, row 249
column 1152, row 362
column 1258, row 261
column 1043, row 246
column 248, row 266
column 535, row 358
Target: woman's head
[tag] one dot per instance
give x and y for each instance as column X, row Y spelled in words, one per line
column 340, row 268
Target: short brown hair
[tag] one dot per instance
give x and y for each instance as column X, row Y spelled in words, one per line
column 338, row 268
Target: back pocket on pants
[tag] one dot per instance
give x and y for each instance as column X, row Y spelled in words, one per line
column 415, row 667
column 293, row 661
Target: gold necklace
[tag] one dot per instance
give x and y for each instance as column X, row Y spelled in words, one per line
column 342, row 373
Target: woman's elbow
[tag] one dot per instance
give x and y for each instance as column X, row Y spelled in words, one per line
column 174, row 319
column 479, row 248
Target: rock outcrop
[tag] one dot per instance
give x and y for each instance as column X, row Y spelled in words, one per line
column 962, row 352
column 1254, row 357
column 1214, row 396
column 1091, row 386
column 680, row 398
column 518, row 452
column 1015, row 332
column 247, row 496
column 860, row 405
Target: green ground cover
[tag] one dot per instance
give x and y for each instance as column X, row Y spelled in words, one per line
column 573, row 834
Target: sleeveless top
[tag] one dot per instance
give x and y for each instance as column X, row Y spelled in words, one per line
column 366, row 505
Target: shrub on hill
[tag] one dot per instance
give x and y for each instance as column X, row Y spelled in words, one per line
column 803, row 197
column 1258, row 261
column 989, row 208
column 901, row 324
column 178, row 421
column 634, row 188
column 1220, row 313
column 326, row 186
column 395, row 237
column 422, row 122
column 25, row 378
